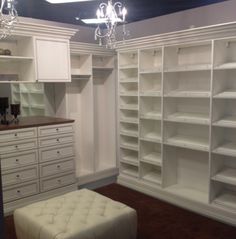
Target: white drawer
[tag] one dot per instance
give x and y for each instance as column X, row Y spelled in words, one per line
column 25, row 158
column 16, row 146
column 55, row 153
column 48, row 169
column 47, row 184
column 12, row 177
column 20, row 191
column 55, row 129
column 18, row 134
column 56, row 140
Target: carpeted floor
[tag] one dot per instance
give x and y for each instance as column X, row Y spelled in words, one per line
column 159, row 220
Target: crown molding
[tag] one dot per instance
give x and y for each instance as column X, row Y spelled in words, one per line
column 178, row 37
column 35, row 29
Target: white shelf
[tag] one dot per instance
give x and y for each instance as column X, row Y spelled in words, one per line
column 228, row 94
column 227, row 148
column 225, row 66
column 129, row 145
column 129, row 106
column 130, row 172
column 196, row 118
column 151, row 137
column 130, row 120
column 152, row 177
column 150, row 71
column 102, row 68
column 191, row 142
column 129, row 66
column 15, row 58
column 132, row 160
column 128, row 80
column 153, row 115
column 132, row 133
column 189, row 94
column 226, row 175
column 186, row 192
column 197, row 67
column 228, row 121
column 129, row 93
column 226, row 199
column 152, row 158
column 150, row 93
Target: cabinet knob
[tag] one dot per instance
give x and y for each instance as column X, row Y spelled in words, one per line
column 59, row 181
column 18, row 191
column 17, row 160
column 57, row 129
column 58, row 140
column 17, row 176
column 15, row 134
column 58, row 152
column 16, row 146
column 58, row 166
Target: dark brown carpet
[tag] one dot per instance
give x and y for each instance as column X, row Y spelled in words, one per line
column 159, row 220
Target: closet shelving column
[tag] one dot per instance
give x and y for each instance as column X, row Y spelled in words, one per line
column 187, row 94
column 223, row 164
column 150, row 114
column 104, row 92
column 128, row 113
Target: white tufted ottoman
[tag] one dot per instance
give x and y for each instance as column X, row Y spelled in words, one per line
column 81, row 214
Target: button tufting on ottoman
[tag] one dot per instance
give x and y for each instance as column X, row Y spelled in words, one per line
column 81, row 214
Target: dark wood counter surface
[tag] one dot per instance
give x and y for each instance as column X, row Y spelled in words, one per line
column 35, row 121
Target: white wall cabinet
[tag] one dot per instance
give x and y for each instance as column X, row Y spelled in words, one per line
column 53, row 60
column 177, row 121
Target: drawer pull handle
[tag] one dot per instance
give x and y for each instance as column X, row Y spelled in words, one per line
column 16, row 146
column 15, row 134
column 57, row 129
column 58, row 152
column 58, row 140
column 17, row 176
column 17, row 160
column 18, row 191
column 58, row 166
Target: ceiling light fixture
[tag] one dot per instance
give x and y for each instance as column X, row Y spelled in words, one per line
column 8, row 17
column 108, row 15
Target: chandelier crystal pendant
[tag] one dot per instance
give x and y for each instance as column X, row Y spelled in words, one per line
column 108, row 16
column 8, row 17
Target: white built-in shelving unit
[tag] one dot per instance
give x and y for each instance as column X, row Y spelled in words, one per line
column 90, row 99
column 177, row 120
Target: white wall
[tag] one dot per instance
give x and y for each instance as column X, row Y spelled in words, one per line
column 202, row 16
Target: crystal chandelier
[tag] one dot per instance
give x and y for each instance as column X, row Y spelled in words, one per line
column 108, row 15
column 8, row 17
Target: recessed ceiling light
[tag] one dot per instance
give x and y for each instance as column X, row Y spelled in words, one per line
column 67, row 1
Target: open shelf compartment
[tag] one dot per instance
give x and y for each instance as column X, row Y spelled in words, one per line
column 128, row 60
column 150, row 130
column 187, row 135
column 150, row 108
column 150, row 84
column 129, row 170
column 187, row 84
column 150, row 60
column 188, row 57
column 129, row 156
column 129, row 116
column 129, row 129
column 193, row 110
column 186, row 173
column 150, row 152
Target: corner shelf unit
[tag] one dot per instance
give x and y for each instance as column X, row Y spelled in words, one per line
column 181, row 99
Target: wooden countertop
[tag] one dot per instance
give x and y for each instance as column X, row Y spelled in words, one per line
column 35, row 121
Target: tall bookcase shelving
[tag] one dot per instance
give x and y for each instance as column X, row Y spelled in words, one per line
column 182, row 146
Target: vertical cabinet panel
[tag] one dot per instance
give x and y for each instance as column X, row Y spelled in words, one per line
column 53, row 62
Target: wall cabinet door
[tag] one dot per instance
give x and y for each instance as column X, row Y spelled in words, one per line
column 53, row 61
